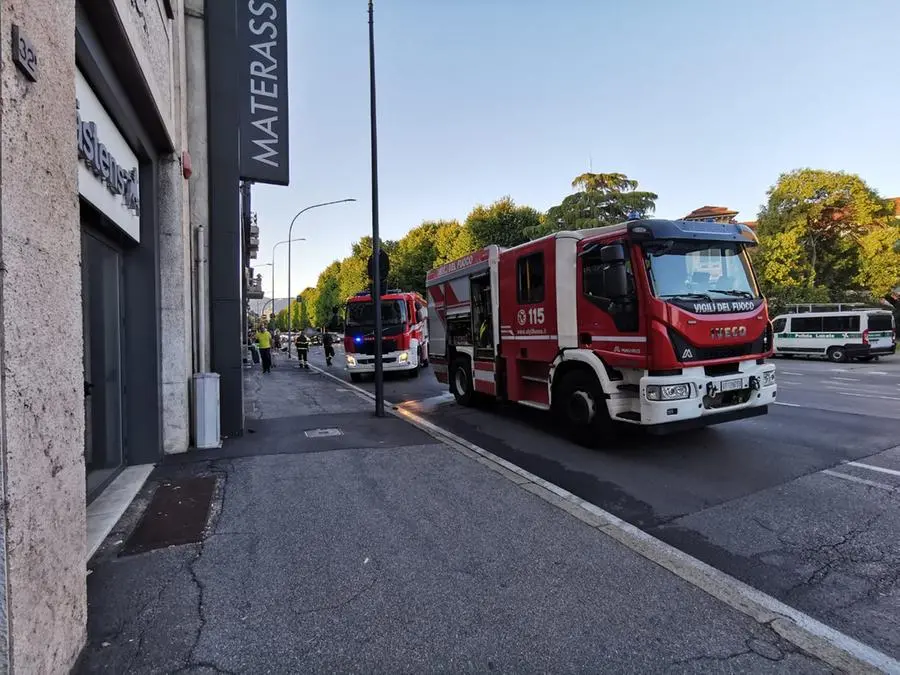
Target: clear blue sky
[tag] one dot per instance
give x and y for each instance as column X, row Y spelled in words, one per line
column 702, row 101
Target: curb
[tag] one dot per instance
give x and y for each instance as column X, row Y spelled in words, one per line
column 808, row 634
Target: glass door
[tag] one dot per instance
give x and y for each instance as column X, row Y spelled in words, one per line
column 101, row 271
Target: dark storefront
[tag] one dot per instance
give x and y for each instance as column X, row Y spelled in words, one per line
column 117, row 164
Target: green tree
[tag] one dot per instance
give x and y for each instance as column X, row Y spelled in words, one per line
column 829, row 212
column 306, row 300
column 452, row 241
column 501, row 223
column 354, row 275
column 327, row 294
column 281, row 320
column 879, row 268
column 414, row 256
column 781, row 262
column 600, row 199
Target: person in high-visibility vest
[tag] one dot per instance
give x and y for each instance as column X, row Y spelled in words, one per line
column 264, row 340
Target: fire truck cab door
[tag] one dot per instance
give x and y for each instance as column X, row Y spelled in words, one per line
column 528, row 319
column 613, row 327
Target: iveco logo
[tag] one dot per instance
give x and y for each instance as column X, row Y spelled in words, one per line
column 728, row 332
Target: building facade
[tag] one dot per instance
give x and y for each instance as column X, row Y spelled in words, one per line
column 99, row 328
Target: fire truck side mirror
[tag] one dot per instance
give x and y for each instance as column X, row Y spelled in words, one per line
column 615, row 278
column 612, row 254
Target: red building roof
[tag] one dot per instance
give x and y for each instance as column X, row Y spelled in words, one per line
column 706, row 212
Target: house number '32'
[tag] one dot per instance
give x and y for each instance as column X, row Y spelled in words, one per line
column 24, row 55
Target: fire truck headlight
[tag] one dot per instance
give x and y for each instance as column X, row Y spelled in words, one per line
column 351, row 360
column 768, row 378
column 404, row 357
column 668, row 392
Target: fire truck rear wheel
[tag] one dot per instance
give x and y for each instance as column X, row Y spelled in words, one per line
column 580, row 405
column 463, row 390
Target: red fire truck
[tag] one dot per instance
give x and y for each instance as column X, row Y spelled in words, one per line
column 657, row 323
column 405, row 333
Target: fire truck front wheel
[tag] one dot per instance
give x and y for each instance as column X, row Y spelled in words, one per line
column 580, row 405
column 461, row 375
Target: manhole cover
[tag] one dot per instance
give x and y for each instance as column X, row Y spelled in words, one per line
column 176, row 515
column 323, row 433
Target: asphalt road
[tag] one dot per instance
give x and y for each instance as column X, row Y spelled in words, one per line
column 773, row 500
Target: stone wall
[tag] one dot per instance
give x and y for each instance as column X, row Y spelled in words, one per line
column 41, row 390
column 150, row 33
column 175, row 254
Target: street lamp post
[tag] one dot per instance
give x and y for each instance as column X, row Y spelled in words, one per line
column 376, row 240
column 290, row 291
column 275, row 248
column 268, row 264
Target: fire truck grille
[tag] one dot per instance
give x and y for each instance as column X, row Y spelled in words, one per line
column 686, row 352
column 369, row 347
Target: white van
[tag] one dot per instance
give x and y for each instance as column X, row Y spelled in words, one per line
column 858, row 334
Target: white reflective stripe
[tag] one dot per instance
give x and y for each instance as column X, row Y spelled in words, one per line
column 617, row 338
column 529, row 337
column 484, row 375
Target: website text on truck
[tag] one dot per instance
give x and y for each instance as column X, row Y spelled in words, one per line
column 651, row 322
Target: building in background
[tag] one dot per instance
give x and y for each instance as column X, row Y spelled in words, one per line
column 97, row 236
column 712, row 214
column 717, row 214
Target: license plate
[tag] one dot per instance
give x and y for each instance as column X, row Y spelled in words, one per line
column 731, row 385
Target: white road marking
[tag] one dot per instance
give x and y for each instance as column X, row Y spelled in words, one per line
column 789, row 405
column 877, row 372
column 787, row 382
column 812, row 636
column 789, row 372
column 886, row 398
column 842, row 379
column 861, row 481
column 839, row 370
column 872, row 467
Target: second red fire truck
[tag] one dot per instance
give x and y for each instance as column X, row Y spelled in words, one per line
column 656, row 323
column 405, row 333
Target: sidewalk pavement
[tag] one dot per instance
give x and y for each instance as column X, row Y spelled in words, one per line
column 381, row 550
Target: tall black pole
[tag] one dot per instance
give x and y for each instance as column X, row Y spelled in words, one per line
column 376, row 241
column 226, row 236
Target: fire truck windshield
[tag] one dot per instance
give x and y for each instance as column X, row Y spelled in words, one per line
column 689, row 269
column 361, row 315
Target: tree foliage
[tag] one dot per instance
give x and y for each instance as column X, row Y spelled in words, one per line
column 502, row 223
column 600, row 199
column 327, row 294
column 424, row 247
column 823, row 234
column 829, row 213
column 879, row 267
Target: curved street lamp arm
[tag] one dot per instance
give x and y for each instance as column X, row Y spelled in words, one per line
column 290, row 235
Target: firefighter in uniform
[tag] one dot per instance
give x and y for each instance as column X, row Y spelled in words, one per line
column 302, row 343
column 328, row 342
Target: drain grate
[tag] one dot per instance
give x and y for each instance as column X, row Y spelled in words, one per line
column 176, row 515
column 323, row 433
